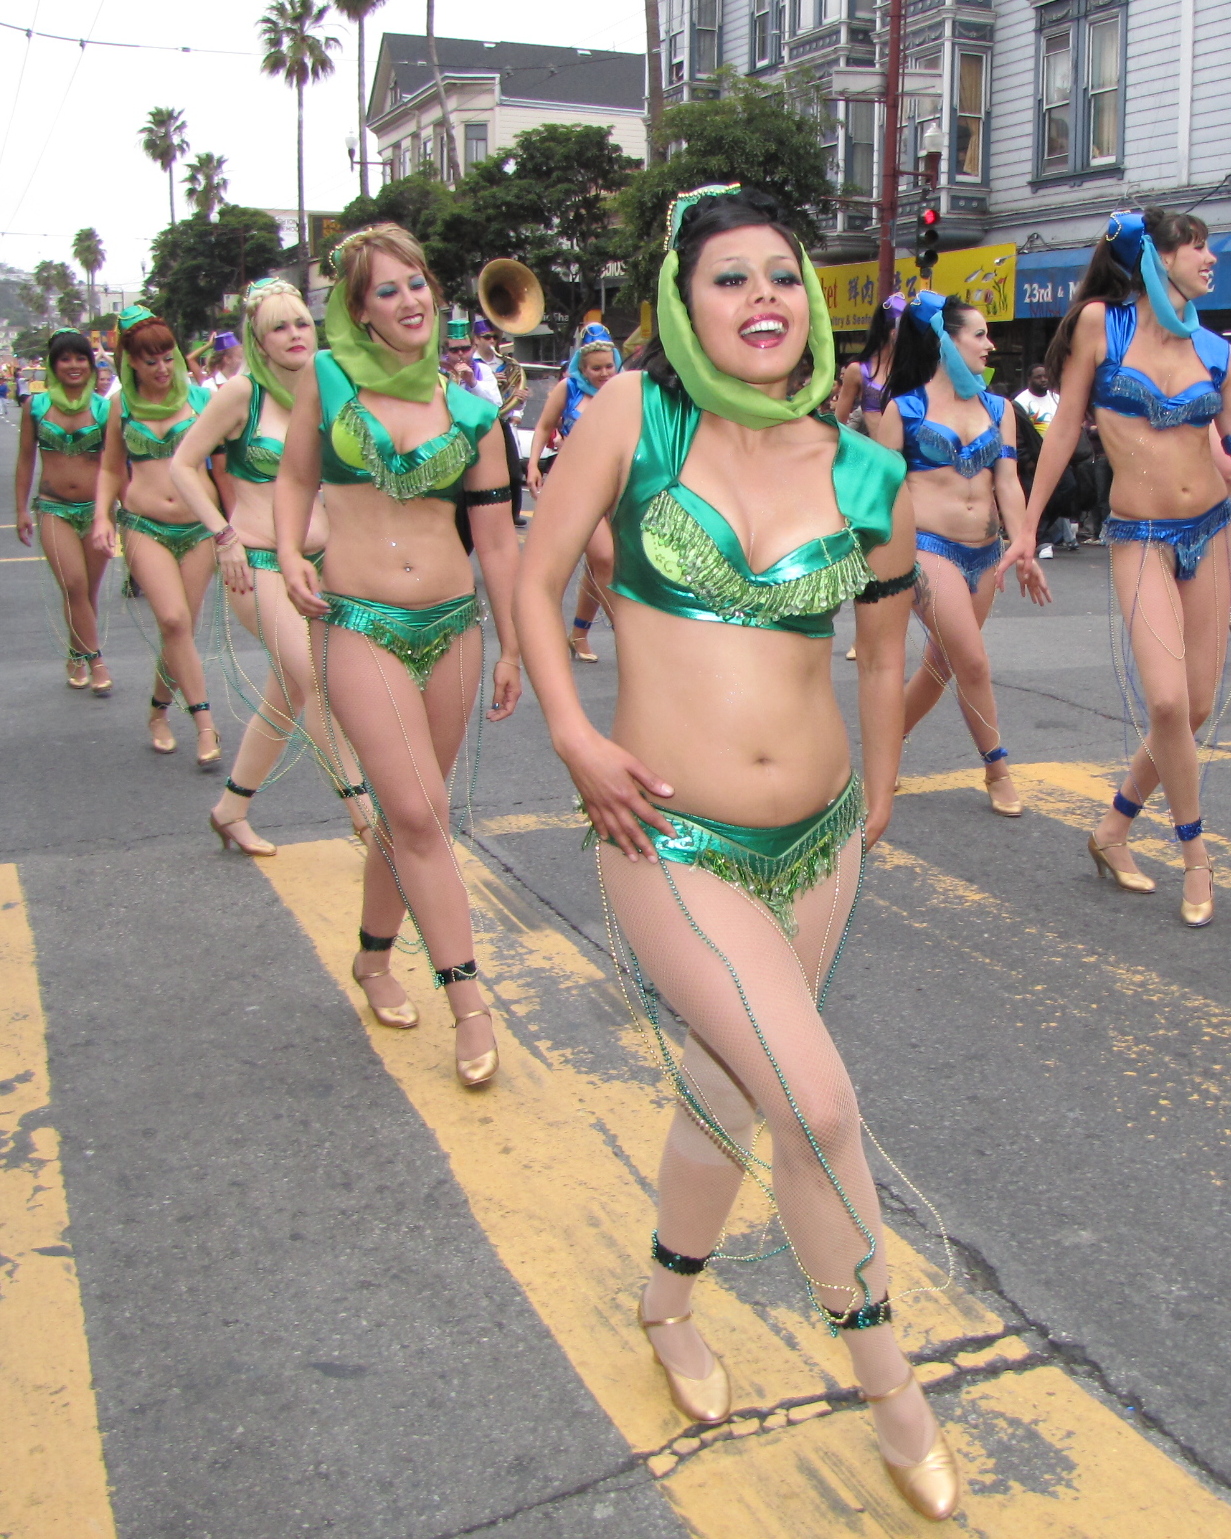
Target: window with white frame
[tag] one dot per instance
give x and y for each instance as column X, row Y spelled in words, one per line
column 860, row 136
column 1081, row 86
column 706, row 21
column 673, row 56
column 476, row 145
column 971, row 114
column 762, row 33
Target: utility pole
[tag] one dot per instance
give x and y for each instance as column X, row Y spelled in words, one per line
column 889, row 150
column 654, row 80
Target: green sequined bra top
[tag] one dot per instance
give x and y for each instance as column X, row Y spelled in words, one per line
column 142, row 443
column 50, row 436
column 356, row 448
column 674, row 552
column 251, row 457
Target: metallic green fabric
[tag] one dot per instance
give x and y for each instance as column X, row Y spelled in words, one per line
column 142, row 444
column 418, row 638
column 261, row 560
column 388, row 472
column 179, row 539
column 79, row 514
column 251, row 457
column 54, row 439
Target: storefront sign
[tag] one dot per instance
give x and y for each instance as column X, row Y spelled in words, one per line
column 983, row 275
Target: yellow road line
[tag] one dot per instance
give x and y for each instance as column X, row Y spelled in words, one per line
column 9, row 560
column 54, row 1484
column 530, row 822
column 557, row 1161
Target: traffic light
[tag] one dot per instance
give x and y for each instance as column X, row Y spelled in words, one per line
column 927, row 237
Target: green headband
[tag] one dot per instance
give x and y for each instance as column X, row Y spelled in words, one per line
column 709, row 387
column 374, row 367
column 138, row 406
column 57, row 394
column 256, row 359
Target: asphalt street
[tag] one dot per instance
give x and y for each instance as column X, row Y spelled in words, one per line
column 309, row 1303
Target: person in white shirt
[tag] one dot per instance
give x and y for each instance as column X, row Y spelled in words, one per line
column 465, row 369
column 1038, row 400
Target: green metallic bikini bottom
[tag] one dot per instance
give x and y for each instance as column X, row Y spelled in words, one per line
column 773, row 865
column 262, row 560
column 79, row 514
column 179, row 539
column 418, row 638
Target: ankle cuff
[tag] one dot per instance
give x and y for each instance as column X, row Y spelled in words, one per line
column 159, row 705
column 241, row 790
column 683, row 1266
column 861, row 1319
column 1124, row 807
column 375, row 942
column 994, row 754
column 83, row 657
column 1185, row 832
column 201, row 705
column 360, row 790
column 581, row 625
column 464, row 973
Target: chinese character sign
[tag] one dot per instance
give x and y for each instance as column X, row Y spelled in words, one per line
column 983, row 275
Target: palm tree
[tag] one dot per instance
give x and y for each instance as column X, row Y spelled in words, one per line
column 164, row 139
column 88, row 250
column 205, row 186
column 446, row 117
column 294, row 50
column 358, row 11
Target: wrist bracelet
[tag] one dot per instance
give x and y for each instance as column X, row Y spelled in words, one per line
column 221, row 540
column 503, row 662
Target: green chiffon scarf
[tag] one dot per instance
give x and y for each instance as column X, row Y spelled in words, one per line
column 374, row 367
column 175, row 398
column 56, row 392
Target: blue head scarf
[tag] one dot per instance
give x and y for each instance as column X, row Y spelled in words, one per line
column 595, row 336
column 926, row 309
column 1129, row 242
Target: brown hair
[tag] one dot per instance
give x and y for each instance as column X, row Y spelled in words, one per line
column 1106, row 280
column 147, row 339
column 354, row 255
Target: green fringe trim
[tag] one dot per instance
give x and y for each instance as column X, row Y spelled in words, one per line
column 681, row 549
column 79, row 514
column 179, row 539
column 145, row 446
column 264, row 461
column 417, row 642
column 84, row 441
column 432, row 474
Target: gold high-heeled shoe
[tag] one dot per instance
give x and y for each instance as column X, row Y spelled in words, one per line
column 1004, row 807
column 208, row 757
column 74, row 681
column 476, row 1071
column 931, row 1486
column 1197, row 915
column 162, row 740
column 228, row 838
column 705, row 1400
column 1128, row 881
column 404, row 1015
column 581, row 650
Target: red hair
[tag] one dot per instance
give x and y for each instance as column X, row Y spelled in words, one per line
column 147, row 339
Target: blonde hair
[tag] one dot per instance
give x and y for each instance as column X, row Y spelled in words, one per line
column 275, row 302
column 352, row 261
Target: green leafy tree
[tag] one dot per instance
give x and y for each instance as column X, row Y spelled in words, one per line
column 196, row 262
column 753, row 134
column 204, row 184
column 358, row 11
column 418, row 203
column 70, row 306
column 50, row 293
column 296, row 52
column 88, row 250
column 164, row 139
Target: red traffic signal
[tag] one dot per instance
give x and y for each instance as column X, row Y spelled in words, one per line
column 927, row 238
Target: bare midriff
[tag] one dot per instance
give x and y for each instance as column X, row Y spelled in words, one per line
column 403, row 553
column 741, row 722
column 954, row 507
column 1159, row 472
column 253, row 517
column 67, row 477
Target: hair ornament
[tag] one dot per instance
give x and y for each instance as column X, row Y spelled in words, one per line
column 263, row 289
column 927, row 310
column 685, row 201
column 895, row 304
column 1126, row 234
column 355, row 238
column 1131, row 243
column 133, row 316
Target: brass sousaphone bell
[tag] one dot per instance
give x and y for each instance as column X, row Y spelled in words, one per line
column 510, row 296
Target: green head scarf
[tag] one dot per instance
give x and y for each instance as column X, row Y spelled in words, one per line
column 58, row 395
column 256, row 359
column 371, row 365
column 138, row 406
column 720, row 393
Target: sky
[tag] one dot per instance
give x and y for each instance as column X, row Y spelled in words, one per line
column 70, row 118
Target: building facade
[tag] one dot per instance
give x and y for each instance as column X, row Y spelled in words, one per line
column 495, row 90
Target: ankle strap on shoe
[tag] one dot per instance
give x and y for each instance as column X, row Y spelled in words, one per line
column 891, row 1394
column 465, row 973
column 1124, row 807
column 375, row 942
column 201, row 705
column 1185, row 832
column 241, row 790
column 83, row 657
column 861, row 1319
column 993, row 755
column 358, row 790
column 581, row 625
column 683, row 1266
column 159, row 705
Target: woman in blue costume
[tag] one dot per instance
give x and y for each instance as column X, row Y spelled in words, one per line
column 731, row 828
column 960, row 448
column 249, row 415
column 595, row 361
column 1130, row 348
column 170, row 553
column 395, row 625
column 63, row 425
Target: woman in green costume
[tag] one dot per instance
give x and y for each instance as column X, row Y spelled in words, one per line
column 63, row 426
column 731, row 828
column 395, row 634
column 170, row 553
column 249, row 415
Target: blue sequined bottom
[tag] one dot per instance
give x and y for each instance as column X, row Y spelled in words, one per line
column 971, row 560
column 1188, row 537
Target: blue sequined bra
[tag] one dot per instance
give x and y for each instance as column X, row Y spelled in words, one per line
column 1130, row 393
column 931, row 445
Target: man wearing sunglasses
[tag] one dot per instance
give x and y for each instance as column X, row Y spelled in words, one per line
column 465, row 369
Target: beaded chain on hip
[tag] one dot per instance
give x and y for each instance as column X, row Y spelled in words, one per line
column 235, row 677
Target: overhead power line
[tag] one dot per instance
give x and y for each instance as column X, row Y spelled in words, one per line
column 94, row 42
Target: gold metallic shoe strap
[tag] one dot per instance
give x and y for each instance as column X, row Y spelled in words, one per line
column 891, row 1394
column 647, row 1325
column 469, row 1016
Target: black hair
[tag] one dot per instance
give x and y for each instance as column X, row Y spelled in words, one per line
column 706, row 218
column 1108, row 280
column 880, row 334
column 69, row 344
column 916, row 353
